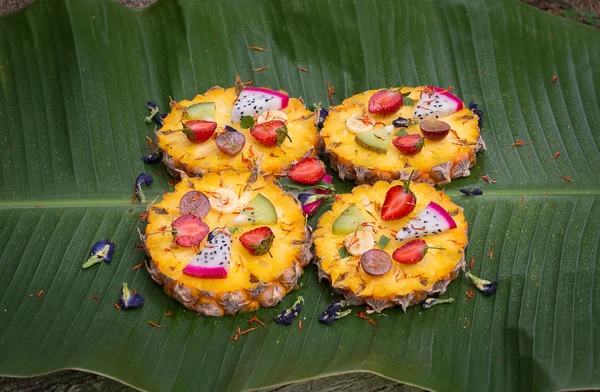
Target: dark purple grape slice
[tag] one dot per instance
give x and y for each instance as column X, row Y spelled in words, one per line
column 434, row 130
column 194, row 203
column 376, row 262
column 230, row 142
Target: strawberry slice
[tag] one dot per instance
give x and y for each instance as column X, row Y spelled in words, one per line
column 385, row 102
column 399, row 202
column 409, row 144
column 412, row 252
column 307, row 171
column 270, row 133
column 258, row 241
column 198, row 131
column 189, row 230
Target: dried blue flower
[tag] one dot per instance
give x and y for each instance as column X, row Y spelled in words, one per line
column 400, row 122
column 474, row 108
column 471, row 191
column 101, row 251
column 143, row 179
column 153, row 111
column 320, row 119
column 287, row 316
column 335, row 311
column 429, row 302
column 485, row 286
column 130, row 300
column 152, row 157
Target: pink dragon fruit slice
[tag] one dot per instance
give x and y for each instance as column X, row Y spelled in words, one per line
column 311, row 208
column 253, row 101
column 213, row 260
column 436, row 103
column 434, row 219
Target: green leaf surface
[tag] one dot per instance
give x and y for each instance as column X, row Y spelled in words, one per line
column 74, row 80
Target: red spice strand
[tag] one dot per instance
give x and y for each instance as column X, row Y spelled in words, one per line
column 365, row 317
column 520, row 142
column 39, row 294
column 168, row 314
column 554, row 80
column 257, row 48
column 95, row 298
column 472, row 262
column 138, row 266
column 556, row 155
column 255, row 319
column 156, row 325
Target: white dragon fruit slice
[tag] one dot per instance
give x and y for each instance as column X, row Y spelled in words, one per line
column 434, row 219
column 436, row 103
column 254, row 101
column 213, row 260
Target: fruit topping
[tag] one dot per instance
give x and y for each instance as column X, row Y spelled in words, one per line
column 272, row 133
column 359, row 242
column 213, row 260
column 200, row 111
column 399, row 202
column 195, row 203
column 271, row 115
column 385, row 102
column 260, row 211
column 409, row 144
column 412, row 252
column 435, row 103
column 377, row 140
column 258, row 241
column 189, row 230
column 349, row 221
column 198, row 131
column 253, row 101
column 223, row 200
column 434, row 130
column 434, row 219
column 376, row 262
column 231, row 141
column 307, row 171
column 359, row 123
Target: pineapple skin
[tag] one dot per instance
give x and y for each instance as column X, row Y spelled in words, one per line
column 253, row 281
column 418, row 281
column 181, row 155
column 437, row 164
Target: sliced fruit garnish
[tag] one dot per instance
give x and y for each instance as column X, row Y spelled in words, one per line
column 214, row 259
column 195, row 203
column 223, row 200
column 399, row 202
column 200, row 111
column 434, row 219
column 359, row 242
column 412, row 252
column 376, row 262
column 359, row 123
column 434, row 130
column 409, row 144
column 307, row 171
column 258, row 241
column 260, row 211
column 231, row 141
column 253, row 101
column 377, row 140
column 198, row 131
column 385, row 102
column 189, row 230
column 271, row 133
column 271, row 115
column 349, row 221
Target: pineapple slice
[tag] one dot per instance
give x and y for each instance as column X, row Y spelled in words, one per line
column 436, row 164
column 252, row 281
column 404, row 284
column 197, row 159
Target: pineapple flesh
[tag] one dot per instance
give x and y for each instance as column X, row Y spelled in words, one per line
column 197, row 159
column 404, row 284
column 252, row 281
column 436, row 164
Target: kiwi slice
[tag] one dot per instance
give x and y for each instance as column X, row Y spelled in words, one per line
column 377, row 140
column 349, row 221
column 260, row 211
column 201, row 111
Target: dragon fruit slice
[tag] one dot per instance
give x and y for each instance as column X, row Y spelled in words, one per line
column 434, row 219
column 310, row 207
column 213, row 260
column 436, row 103
column 254, row 101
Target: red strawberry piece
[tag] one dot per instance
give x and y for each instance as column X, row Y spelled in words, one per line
column 258, row 241
column 307, row 171
column 198, row 131
column 270, row 133
column 399, row 202
column 189, row 230
column 412, row 252
column 385, row 102
column 409, row 144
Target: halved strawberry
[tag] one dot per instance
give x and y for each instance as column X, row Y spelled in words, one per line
column 399, row 202
column 409, row 144
column 307, row 171
column 258, row 241
column 385, row 102
column 412, row 252
column 270, row 133
column 189, row 230
column 198, row 131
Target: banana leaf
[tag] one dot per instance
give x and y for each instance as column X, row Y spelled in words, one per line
column 75, row 76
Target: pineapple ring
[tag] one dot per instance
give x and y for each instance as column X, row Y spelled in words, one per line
column 436, row 164
column 252, row 281
column 404, row 284
column 198, row 159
